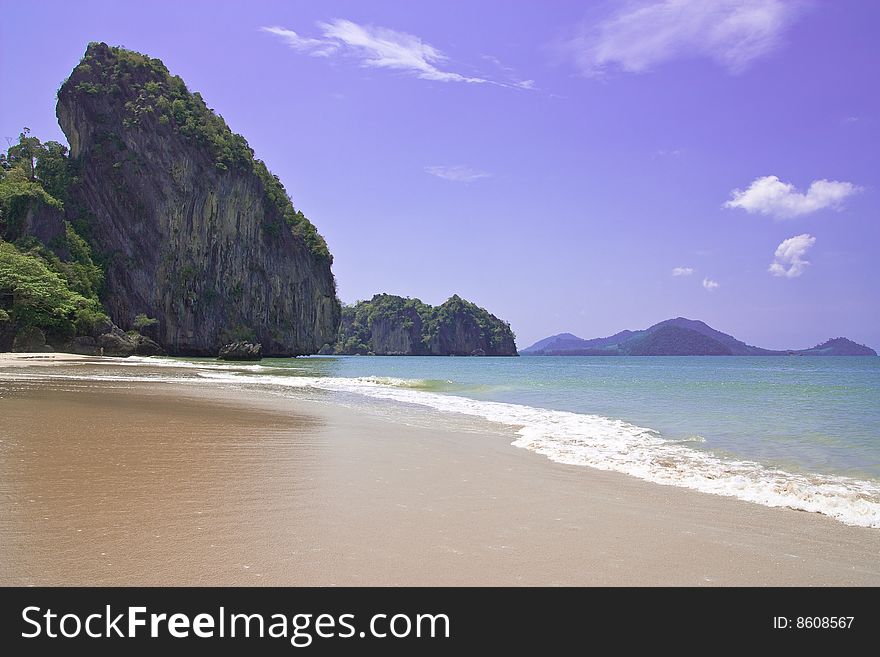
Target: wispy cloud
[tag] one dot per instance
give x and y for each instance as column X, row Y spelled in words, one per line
column 307, row 45
column 381, row 47
column 788, row 261
column 710, row 285
column 646, row 33
column 458, row 173
column 770, row 196
column 670, row 153
column 510, row 73
column 682, row 271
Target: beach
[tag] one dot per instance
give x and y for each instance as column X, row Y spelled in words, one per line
column 142, row 482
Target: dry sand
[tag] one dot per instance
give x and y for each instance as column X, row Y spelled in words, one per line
column 171, row 484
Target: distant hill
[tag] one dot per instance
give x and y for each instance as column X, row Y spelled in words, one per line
column 838, row 347
column 673, row 340
column 680, row 337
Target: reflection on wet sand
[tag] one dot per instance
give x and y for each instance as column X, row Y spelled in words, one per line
column 106, row 485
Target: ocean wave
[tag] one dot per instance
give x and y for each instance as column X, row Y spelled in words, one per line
column 160, row 361
column 609, row 444
column 412, row 384
column 577, row 439
column 696, row 438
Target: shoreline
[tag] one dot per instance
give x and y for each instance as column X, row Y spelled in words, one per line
column 142, row 483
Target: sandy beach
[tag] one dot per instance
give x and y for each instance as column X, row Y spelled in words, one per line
column 152, row 483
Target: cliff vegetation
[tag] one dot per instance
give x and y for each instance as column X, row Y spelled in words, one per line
column 389, row 325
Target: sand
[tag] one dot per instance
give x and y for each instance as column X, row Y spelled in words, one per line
column 145, row 483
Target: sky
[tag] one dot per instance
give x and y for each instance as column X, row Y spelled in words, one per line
column 578, row 167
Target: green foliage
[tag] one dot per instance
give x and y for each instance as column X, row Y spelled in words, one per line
column 164, row 98
column 23, row 155
column 277, row 196
column 141, row 321
column 42, row 298
column 81, row 274
column 47, row 293
column 30, row 171
column 16, row 195
column 427, row 324
column 54, row 170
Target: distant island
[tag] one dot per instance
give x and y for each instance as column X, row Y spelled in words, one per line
column 680, row 337
column 389, row 325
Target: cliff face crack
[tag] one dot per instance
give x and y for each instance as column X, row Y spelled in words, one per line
column 194, row 231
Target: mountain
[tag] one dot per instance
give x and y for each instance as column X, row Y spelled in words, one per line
column 194, row 236
column 679, row 337
column 388, row 325
column 671, row 340
column 838, row 347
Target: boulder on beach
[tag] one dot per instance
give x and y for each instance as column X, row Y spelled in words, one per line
column 241, row 351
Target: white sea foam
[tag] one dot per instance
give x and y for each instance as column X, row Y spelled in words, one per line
column 582, row 439
column 608, row 444
column 158, row 361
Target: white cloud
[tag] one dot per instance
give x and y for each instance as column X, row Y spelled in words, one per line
column 682, row 271
column 769, row 195
column 645, row 33
column 510, row 74
column 710, row 285
column 458, row 173
column 313, row 47
column 380, row 47
column 789, row 257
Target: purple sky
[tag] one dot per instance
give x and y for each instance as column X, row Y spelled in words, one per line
column 554, row 162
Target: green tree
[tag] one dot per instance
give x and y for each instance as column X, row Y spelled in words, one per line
column 23, row 155
column 41, row 297
column 53, row 169
column 141, row 321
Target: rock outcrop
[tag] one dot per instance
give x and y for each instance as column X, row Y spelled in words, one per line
column 389, row 325
column 241, row 351
column 193, row 231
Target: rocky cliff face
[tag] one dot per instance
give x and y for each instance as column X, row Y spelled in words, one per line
column 389, row 325
column 194, row 232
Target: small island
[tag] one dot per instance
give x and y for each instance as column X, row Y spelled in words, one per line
column 389, row 325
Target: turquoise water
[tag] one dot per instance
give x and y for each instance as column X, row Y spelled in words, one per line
column 779, row 431
column 813, row 414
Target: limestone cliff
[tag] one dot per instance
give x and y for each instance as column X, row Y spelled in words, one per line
column 193, row 231
column 389, row 325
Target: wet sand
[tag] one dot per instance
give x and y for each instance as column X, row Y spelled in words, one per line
column 143, row 483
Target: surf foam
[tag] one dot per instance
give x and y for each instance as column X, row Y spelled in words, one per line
column 609, row 444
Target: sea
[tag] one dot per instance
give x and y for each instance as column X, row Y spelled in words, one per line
column 797, row 432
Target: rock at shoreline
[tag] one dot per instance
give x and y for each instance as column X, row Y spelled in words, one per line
column 31, row 339
column 241, row 351
column 119, row 343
